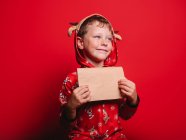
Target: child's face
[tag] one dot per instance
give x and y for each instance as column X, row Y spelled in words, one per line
column 96, row 43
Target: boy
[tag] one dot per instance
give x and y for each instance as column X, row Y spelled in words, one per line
column 95, row 46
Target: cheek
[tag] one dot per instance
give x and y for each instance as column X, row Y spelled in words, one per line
column 111, row 48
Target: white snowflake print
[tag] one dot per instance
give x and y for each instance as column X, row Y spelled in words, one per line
column 105, row 116
column 62, row 97
column 89, row 112
column 112, row 107
column 93, row 133
column 106, row 135
column 67, row 80
column 99, row 110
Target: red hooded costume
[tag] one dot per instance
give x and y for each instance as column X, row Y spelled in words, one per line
column 99, row 119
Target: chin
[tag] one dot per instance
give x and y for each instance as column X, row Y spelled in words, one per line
column 101, row 59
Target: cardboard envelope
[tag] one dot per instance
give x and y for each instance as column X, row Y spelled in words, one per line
column 102, row 82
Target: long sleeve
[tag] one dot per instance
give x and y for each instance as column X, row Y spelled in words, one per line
column 127, row 110
column 68, row 85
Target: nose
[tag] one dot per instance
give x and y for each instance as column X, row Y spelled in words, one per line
column 104, row 42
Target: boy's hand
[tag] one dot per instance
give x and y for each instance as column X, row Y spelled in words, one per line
column 128, row 90
column 79, row 96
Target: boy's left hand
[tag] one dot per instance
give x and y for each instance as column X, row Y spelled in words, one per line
column 128, row 90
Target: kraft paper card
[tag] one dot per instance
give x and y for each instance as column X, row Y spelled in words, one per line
column 102, row 82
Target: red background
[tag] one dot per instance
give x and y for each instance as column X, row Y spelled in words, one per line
column 36, row 55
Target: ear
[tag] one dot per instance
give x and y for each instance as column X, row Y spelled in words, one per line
column 80, row 43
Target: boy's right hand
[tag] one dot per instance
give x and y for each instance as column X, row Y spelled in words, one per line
column 79, row 96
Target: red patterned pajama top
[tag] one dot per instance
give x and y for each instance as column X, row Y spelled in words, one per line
column 100, row 120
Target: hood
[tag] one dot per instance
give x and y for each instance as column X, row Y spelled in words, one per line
column 113, row 56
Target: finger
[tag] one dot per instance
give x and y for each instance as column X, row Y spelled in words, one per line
column 77, row 90
column 86, row 99
column 123, row 93
column 85, row 95
column 84, row 86
column 122, row 80
column 127, row 83
column 126, row 88
column 124, row 83
column 83, row 91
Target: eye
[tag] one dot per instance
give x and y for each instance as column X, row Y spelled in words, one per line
column 97, row 36
column 110, row 38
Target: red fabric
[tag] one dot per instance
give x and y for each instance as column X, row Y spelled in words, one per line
column 95, row 120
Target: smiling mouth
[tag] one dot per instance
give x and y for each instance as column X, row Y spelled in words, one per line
column 102, row 50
